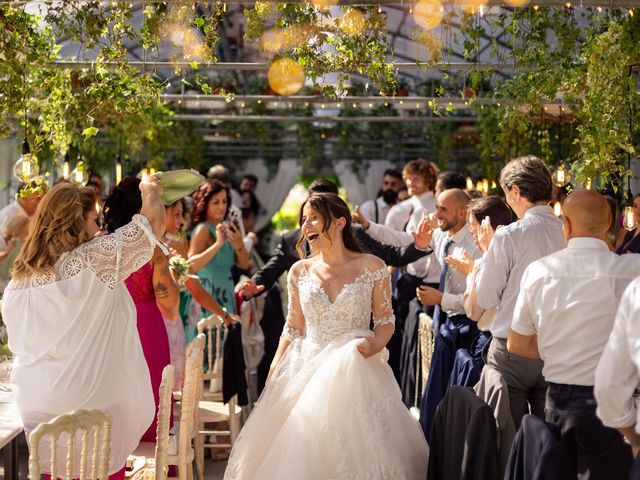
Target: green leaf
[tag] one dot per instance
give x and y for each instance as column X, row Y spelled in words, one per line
column 90, row 132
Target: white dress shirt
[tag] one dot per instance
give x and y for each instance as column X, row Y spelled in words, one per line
column 368, row 209
column 408, row 214
column 618, row 371
column 409, row 211
column 512, row 249
column 569, row 299
column 455, row 283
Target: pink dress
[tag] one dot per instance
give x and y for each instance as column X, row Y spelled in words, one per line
column 152, row 332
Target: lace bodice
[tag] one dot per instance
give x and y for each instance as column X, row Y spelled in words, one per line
column 314, row 316
column 112, row 258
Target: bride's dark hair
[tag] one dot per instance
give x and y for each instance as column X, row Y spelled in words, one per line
column 330, row 207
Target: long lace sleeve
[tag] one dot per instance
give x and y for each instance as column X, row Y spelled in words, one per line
column 114, row 257
column 381, row 298
column 294, row 328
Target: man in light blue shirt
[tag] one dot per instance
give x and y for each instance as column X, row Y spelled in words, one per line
column 526, row 182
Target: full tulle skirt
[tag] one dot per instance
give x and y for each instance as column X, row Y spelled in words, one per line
column 329, row 413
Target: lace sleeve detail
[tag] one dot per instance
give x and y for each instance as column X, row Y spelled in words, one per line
column 381, row 298
column 294, row 328
column 114, row 257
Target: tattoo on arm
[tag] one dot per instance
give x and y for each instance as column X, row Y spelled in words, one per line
column 161, row 290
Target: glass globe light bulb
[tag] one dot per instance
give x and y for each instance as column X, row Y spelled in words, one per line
column 27, row 166
column 629, row 222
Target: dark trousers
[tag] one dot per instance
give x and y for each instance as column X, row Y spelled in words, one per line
column 596, row 451
column 458, row 332
column 405, row 288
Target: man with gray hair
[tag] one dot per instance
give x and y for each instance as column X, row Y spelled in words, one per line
column 526, row 182
column 564, row 315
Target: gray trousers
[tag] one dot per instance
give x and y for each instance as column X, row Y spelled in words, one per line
column 523, row 376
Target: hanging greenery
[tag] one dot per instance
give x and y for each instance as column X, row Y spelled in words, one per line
column 355, row 42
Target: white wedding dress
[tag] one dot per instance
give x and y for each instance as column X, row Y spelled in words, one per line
column 327, row 412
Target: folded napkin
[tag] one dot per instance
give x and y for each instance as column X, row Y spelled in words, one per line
column 177, row 184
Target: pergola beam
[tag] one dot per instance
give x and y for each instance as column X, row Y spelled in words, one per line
column 326, row 119
column 264, row 66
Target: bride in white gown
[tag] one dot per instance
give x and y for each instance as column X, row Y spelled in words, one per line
column 332, row 408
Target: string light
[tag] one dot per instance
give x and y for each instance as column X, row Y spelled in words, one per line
column 557, row 209
column 118, row 169
column 629, row 221
column 65, row 167
column 469, row 183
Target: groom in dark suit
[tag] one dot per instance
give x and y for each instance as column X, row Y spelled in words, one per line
column 286, row 255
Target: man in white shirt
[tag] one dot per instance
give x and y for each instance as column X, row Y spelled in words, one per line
column 453, row 329
column 403, row 219
column 376, row 210
column 564, row 314
column 452, row 238
column 526, row 182
column 618, row 372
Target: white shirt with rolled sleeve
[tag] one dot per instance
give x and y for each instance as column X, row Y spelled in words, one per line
column 368, row 209
column 512, row 249
column 402, row 220
column 569, row 300
column 455, row 284
column 618, row 372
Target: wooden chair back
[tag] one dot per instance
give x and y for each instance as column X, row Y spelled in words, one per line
column 212, row 327
column 164, row 421
column 86, row 423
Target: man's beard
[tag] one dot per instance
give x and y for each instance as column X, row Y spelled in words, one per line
column 446, row 226
column 389, row 196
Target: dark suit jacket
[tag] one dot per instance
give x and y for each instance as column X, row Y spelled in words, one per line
column 286, row 255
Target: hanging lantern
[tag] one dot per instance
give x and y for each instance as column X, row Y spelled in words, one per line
column 557, row 209
column 629, row 222
column 485, row 185
column 286, row 76
column 493, row 185
column 428, row 13
column 26, row 168
column 353, row 22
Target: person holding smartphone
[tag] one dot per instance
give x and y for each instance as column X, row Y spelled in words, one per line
column 216, row 243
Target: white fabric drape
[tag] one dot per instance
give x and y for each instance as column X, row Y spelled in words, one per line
column 364, row 184
column 271, row 193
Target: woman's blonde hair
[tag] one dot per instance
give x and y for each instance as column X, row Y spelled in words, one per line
column 59, row 225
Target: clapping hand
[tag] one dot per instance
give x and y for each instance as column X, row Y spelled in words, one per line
column 462, row 265
column 422, row 236
column 485, row 234
column 358, row 217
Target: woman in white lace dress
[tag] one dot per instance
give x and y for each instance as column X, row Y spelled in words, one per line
column 71, row 320
column 332, row 408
